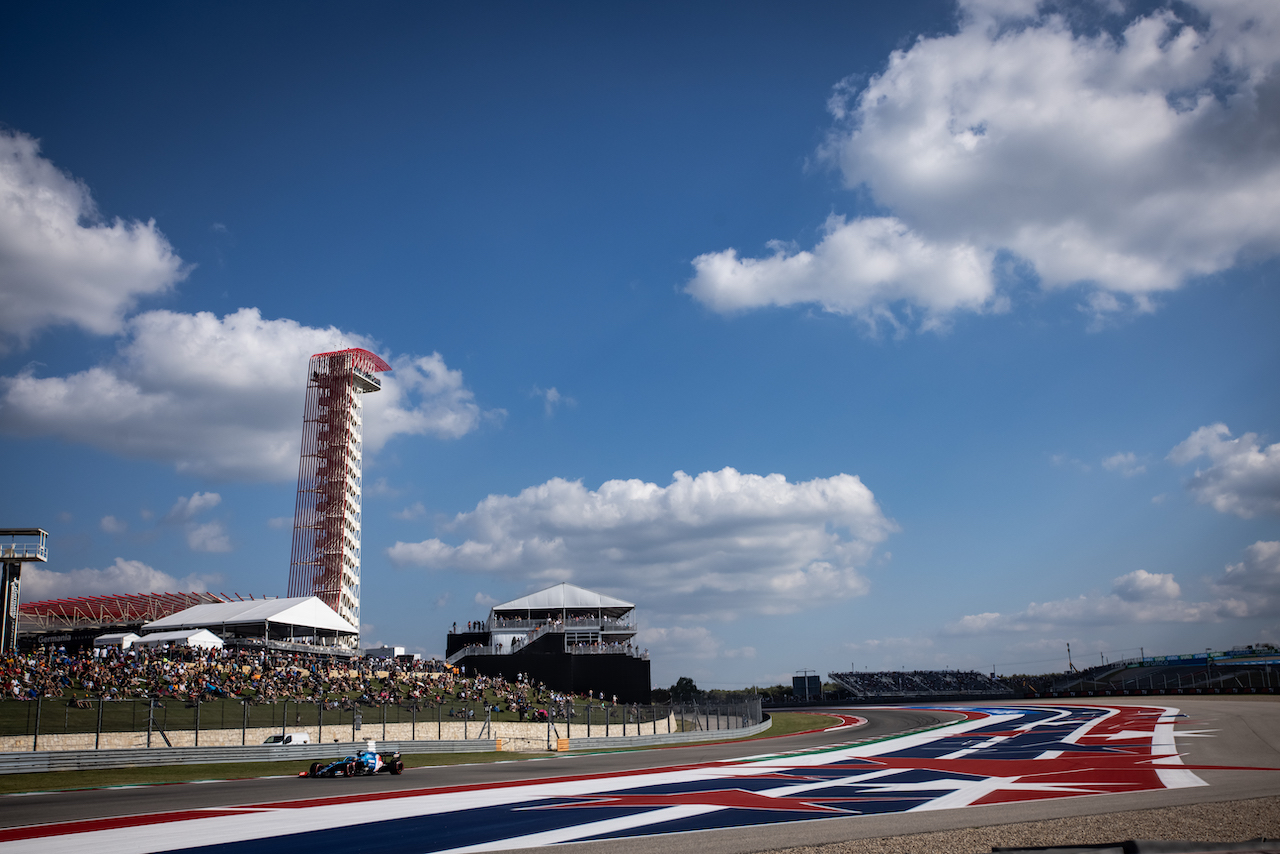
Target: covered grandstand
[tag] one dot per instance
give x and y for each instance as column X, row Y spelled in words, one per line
column 294, row 624
column 570, row 638
column 75, row 622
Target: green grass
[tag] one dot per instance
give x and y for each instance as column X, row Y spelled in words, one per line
column 784, row 723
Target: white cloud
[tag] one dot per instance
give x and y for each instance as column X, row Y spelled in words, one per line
column 1126, row 463
column 485, row 600
column 1130, row 163
column 112, row 525
column 1255, row 581
column 413, row 511
column 59, row 262
column 552, row 398
column 679, row 643
column 208, row 537
column 187, row 508
column 721, row 543
column 222, row 397
column 280, row 522
column 1136, row 597
column 859, row 268
column 1143, row 586
column 124, row 576
column 1243, row 478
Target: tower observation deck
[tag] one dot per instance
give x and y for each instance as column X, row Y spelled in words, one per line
column 326, row 523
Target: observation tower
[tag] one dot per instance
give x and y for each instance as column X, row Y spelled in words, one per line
column 21, row 545
column 326, row 522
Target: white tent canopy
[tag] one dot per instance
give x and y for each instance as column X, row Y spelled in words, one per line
column 189, row 637
column 564, row 597
column 299, row 615
column 121, row 639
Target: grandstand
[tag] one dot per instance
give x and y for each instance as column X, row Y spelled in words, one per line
column 75, row 622
column 568, row 638
column 922, row 685
column 1247, row 668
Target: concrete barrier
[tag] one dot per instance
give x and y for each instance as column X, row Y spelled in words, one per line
column 666, row 738
column 84, row 760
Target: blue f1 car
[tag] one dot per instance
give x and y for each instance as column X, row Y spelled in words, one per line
column 365, row 763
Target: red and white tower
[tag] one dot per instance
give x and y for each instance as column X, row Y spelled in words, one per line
column 326, row 523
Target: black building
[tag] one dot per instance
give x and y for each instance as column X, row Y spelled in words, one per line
column 570, row 639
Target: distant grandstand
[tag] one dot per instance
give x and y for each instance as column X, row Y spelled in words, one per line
column 922, row 685
column 74, row 623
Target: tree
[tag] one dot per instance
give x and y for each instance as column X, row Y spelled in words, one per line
column 684, row 690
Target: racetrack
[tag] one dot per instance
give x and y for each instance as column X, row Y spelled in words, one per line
column 1039, row 758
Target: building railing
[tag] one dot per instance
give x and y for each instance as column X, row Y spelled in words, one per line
column 24, row 551
column 584, row 624
column 606, row 649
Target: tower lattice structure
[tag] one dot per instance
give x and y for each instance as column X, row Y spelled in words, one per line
column 326, row 523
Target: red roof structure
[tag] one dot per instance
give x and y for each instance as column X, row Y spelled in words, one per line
column 86, row 612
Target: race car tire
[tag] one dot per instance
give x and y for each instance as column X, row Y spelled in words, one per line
column 350, row 769
column 397, row 767
column 315, row 769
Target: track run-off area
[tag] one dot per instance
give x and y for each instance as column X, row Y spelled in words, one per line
column 881, row 772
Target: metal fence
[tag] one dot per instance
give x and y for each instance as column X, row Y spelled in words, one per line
column 163, row 719
column 160, row 718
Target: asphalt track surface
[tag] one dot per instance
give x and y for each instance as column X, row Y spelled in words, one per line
column 1218, row 738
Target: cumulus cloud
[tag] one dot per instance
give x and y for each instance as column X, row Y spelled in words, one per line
column 1129, row 161
column 553, row 399
column 60, row 262
column 208, row 537
column 1136, row 597
column 124, row 576
column 858, row 268
column 222, row 397
column 1126, row 463
column 721, row 543
column 416, row 510
column 112, row 525
column 686, row 643
column 1243, row 477
column 1255, row 581
column 187, row 508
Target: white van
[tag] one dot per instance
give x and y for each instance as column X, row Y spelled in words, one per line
column 289, row 738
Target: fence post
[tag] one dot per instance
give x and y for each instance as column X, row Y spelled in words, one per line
column 284, row 716
column 384, row 721
column 35, row 740
column 244, row 721
column 588, row 720
column 413, row 723
column 97, row 735
column 320, row 718
column 439, row 736
column 197, row 721
column 151, row 714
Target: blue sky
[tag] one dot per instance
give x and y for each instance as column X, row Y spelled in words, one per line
column 930, row 335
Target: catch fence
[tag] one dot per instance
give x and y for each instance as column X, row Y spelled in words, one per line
column 72, row 723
